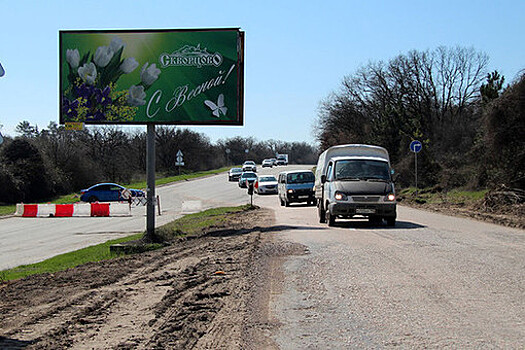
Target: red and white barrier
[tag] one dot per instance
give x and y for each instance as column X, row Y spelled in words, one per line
column 76, row 209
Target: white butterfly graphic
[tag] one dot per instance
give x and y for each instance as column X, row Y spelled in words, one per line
column 219, row 108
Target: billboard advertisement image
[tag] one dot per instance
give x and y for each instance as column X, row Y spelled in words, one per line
column 182, row 77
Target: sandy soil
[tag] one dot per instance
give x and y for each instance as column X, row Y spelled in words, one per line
column 505, row 215
column 205, row 292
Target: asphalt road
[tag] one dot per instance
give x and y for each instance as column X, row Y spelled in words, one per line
column 30, row 240
column 432, row 281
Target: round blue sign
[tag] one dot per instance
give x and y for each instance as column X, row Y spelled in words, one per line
column 416, row 146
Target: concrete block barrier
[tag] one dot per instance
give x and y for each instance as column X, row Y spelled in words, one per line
column 71, row 210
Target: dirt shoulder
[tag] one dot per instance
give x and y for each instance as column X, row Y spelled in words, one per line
column 511, row 215
column 204, row 292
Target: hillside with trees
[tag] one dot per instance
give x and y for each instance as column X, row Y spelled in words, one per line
column 41, row 164
column 471, row 126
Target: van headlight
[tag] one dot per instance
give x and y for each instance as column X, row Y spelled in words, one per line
column 290, row 191
column 340, row 196
column 390, row 197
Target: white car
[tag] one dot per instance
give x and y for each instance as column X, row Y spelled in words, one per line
column 249, row 165
column 266, row 184
column 267, row 162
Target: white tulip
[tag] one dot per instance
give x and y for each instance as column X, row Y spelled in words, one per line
column 103, row 55
column 73, row 58
column 88, row 73
column 116, row 44
column 136, row 96
column 129, row 65
column 149, row 73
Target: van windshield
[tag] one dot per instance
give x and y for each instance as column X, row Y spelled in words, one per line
column 362, row 170
column 299, row 178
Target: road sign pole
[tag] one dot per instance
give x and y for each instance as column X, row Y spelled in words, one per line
column 416, row 146
column 415, row 154
column 150, row 180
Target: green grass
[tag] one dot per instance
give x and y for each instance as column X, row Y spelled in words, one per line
column 191, row 224
column 7, row 209
column 182, row 177
column 194, row 223
column 75, row 197
column 428, row 195
column 68, row 260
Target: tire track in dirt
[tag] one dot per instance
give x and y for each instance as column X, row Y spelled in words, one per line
column 191, row 294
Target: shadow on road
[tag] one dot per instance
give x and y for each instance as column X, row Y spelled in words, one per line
column 301, row 205
column 400, row 225
column 277, row 228
column 7, row 343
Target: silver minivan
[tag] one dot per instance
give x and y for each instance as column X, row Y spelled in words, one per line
column 296, row 187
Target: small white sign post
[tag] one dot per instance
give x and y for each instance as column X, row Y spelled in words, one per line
column 180, row 161
column 416, row 146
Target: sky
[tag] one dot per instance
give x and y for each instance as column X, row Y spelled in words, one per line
column 296, row 52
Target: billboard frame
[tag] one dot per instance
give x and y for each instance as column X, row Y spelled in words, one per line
column 238, row 121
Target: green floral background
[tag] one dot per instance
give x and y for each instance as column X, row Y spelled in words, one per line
column 118, row 77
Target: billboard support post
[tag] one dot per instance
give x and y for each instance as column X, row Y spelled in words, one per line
column 150, row 175
column 186, row 77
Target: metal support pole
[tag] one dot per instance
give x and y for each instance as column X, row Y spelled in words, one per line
column 416, row 172
column 150, row 181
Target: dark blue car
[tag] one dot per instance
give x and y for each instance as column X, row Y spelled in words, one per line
column 109, row 192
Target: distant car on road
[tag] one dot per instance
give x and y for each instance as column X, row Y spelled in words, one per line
column 234, row 174
column 266, row 184
column 246, row 177
column 108, row 192
column 267, row 163
column 282, row 159
column 249, row 165
column 274, row 161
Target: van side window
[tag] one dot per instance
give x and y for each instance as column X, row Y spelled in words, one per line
column 329, row 172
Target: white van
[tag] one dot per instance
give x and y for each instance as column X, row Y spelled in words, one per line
column 355, row 180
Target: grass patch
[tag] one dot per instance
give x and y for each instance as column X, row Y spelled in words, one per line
column 433, row 196
column 191, row 224
column 7, row 209
column 66, row 261
column 182, row 177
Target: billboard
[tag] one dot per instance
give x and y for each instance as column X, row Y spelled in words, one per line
column 182, row 77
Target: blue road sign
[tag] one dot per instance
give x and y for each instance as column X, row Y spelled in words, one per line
column 416, row 146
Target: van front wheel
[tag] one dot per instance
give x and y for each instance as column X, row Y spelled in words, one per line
column 330, row 218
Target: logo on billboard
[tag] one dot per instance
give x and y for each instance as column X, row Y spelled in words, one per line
column 190, row 56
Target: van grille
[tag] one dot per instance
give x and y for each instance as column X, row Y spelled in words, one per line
column 365, row 199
